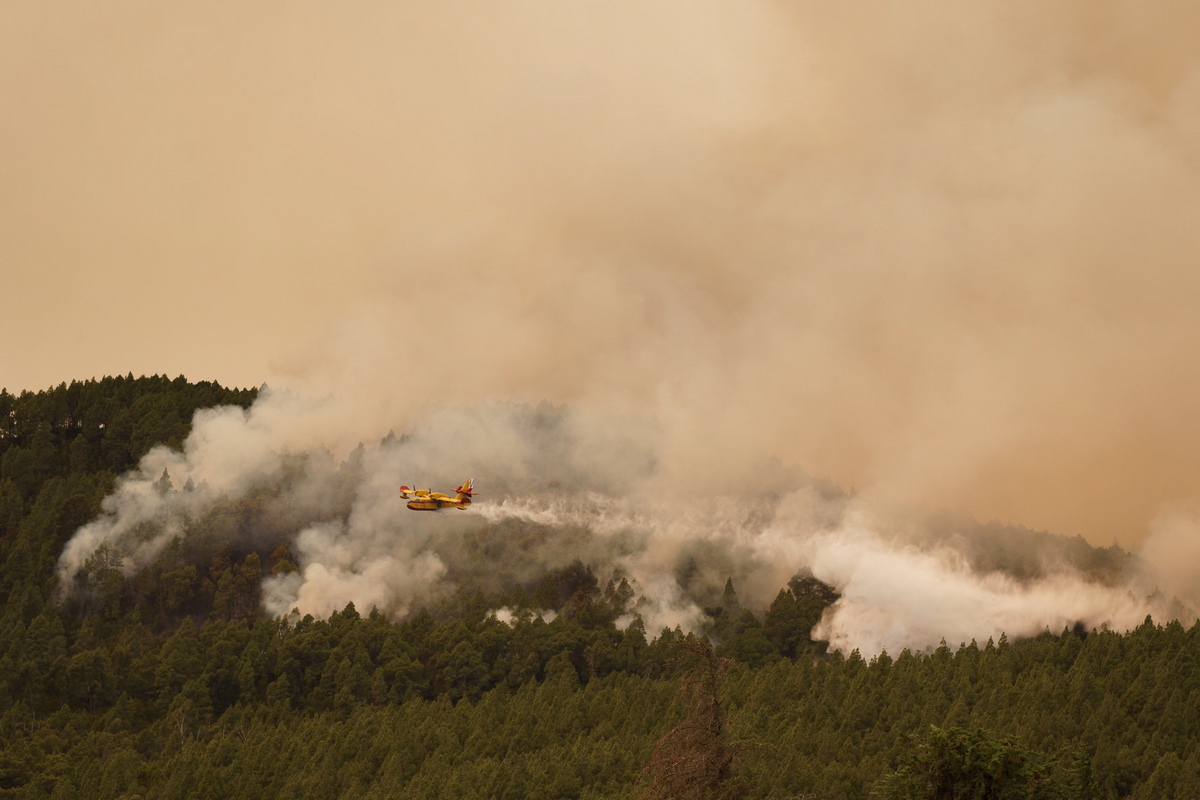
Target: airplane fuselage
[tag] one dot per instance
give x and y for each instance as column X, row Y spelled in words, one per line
column 429, row 500
column 436, row 501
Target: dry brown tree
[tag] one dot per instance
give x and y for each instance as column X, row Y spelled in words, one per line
column 696, row 759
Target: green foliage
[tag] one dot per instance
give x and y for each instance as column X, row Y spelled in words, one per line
column 60, row 453
column 352, row 707
column 98, row 425
column 969, row 765
column 170, row 683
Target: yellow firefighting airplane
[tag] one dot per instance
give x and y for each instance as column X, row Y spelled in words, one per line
column 429, row 500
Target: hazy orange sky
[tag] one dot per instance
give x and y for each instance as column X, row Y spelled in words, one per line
column 949, row 254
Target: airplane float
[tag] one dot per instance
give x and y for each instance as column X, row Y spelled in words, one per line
column 429, row 500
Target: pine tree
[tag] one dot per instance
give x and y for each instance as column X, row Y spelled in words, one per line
column 969, row 765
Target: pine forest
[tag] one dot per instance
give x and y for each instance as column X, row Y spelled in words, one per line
column 172, row 681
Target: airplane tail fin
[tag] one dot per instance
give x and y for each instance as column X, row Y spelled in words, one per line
column 464, row 492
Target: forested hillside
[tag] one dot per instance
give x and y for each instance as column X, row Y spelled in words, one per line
column 172, row 682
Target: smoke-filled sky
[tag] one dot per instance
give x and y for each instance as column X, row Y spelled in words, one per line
column 944, row 254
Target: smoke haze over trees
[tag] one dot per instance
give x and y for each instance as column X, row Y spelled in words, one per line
column 159, row 672
column 559, row 485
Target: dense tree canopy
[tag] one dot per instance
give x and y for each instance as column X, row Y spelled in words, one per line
column 171, row 682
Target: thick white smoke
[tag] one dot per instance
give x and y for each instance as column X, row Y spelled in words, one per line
column 558, row 484
column 897, row 595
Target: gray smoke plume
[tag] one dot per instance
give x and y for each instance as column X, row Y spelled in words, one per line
column 559, row 484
